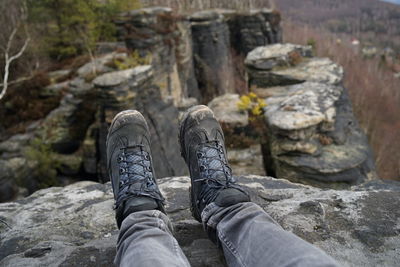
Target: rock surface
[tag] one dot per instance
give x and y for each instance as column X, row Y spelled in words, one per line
column 75, row 225
column 286, row 64
column 226, row 110
column 253, row 29
column 313, row 136
column 211, row 53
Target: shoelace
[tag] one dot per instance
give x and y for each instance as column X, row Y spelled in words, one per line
column 214, row 171
column 136, row 175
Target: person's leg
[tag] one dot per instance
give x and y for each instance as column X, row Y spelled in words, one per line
column 248, row 235
column 145, row 231
column 146, row 239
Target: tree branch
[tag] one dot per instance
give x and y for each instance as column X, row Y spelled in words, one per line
column 19, row 80
column 8, row 60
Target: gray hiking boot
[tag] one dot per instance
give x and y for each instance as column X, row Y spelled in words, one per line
column 130, row 167
column 203, row 148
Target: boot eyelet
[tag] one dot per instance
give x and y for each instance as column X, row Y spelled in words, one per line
column 119, row 159
column 200, row 155
column 121, row 171
column 202, row 168
column 147, row 157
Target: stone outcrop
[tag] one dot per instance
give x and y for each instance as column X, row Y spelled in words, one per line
column 167, row 39
column 286, row 64
column 174, row 62
column 211, row 53
column 75, row 225
column 313, row 136
column 192, row 55
column 253, row 29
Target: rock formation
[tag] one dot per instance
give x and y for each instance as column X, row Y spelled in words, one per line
column 173, row 62
column 75, row 225
column 172, row 53
column 313, row 136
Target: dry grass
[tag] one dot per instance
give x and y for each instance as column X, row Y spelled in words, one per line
column 374, row 91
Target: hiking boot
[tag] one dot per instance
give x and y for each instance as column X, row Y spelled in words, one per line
column 130, row 166
column 202, row 146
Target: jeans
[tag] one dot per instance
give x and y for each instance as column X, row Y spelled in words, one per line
column 247, row 234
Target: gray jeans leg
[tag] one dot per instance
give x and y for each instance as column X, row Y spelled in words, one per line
column 146, row 239
column 250, row 237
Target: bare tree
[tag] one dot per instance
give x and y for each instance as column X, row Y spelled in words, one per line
column 14, row 36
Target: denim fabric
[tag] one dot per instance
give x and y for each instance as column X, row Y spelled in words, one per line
column 146, row 240
column 250, row 237
column 247, row 234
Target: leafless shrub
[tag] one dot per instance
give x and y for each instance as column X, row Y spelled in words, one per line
column 12, row 43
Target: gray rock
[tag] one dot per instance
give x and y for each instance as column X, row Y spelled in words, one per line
column 116, row 78
column 14, row 146
column 286, row 64
column 321, row 70
column 54, row 89
column 212, row 60
column 75, row 225
column 98, row 65
column 14, row 172
column 55, row 75
column 249, row 30
column 167, row 38
column 304, row 105
column 314, row 138
column 226, row 111
column 246, row 160
column 65, row 127
column 275, row 55
column 312, row 135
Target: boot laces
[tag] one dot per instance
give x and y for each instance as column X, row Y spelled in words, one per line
column 136, row 175
column 215, row 172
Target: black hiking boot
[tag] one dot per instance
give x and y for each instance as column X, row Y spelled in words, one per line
column 130, row 167
column 202, row 146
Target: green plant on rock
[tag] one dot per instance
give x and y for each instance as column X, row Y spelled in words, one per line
column 311, row 42
column 252, row 104
column 47, row 164
column 133, row 60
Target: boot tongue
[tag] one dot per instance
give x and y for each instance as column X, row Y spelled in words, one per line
column 134, row 149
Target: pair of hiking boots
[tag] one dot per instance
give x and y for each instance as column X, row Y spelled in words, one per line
column 202, row 145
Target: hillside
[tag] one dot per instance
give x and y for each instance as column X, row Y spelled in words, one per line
column 372, row 21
